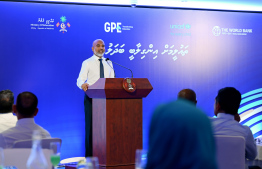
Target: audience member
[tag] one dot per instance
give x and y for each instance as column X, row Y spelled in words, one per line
column 226, row 107
column 25, row 109
column 180, row 137
column 7, row 119
column 188, row 94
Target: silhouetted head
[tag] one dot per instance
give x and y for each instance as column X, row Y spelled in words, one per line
column 26, row 105
column 6, row 101
column 188, row 94
column 227, row 101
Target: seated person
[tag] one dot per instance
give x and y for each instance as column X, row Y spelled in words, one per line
column 25, row 110
column 226, row 107
column 188, row 94
column 7, row 119
column 180, row 137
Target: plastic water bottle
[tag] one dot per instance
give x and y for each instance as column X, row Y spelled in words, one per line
column 36, row 159
column 81, row 164
column 88, row 163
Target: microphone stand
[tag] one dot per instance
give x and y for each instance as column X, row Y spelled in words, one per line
column 120, row 65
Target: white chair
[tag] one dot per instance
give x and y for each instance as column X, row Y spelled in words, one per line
column 230, row 152
column 18, row 157
column 28, row 143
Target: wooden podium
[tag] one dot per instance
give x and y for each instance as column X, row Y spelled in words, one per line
column 117, row 121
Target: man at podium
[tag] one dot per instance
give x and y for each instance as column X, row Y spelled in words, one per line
column 92, row 69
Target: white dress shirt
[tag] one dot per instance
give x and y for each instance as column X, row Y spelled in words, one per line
column 22, row 131
column 90, row 71
column 7, row 120
column 225, row 124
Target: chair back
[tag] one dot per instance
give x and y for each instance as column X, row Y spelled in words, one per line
column 230, row 152
column 18, row 157
column 28, row 143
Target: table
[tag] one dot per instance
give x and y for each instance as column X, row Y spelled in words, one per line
column 258, row 159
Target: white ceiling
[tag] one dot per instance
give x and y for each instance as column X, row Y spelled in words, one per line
column 239, row 5
column 243, row 5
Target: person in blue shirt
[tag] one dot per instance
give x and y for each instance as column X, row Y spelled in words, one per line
column 226, row 107
column 180, row 137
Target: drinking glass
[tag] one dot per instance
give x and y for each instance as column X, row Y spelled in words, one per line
column 55, row 153
column 92, row 163
column 141, row 159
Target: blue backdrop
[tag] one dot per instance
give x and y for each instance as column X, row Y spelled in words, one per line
column 42, row 47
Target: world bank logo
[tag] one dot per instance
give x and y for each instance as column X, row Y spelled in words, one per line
column 216, row 30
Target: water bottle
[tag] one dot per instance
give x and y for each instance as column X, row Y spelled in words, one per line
column 88, row 163
column 36, row 159
column 81, row 164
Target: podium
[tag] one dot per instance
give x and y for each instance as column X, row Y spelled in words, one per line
column 117, row 121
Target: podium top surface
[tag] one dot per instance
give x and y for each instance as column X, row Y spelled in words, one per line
column 113, row 88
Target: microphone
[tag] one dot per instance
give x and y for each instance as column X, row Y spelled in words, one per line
column 121, row 66
column 111, row 66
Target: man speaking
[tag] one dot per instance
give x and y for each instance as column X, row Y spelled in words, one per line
column 92, row 69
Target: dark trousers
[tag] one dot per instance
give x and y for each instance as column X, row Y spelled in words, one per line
column 88, row 126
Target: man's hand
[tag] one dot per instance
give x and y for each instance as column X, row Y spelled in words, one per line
column 85, row 86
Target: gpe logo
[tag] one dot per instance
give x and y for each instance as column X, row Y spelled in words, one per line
column 111, row 26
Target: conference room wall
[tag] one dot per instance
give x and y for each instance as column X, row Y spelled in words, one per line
column 185, row 49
